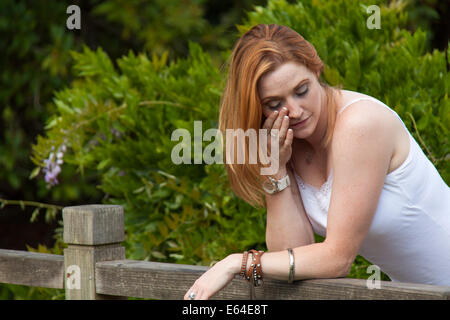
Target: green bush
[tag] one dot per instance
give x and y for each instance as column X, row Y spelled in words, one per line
column 118, row 122
column 35, row 45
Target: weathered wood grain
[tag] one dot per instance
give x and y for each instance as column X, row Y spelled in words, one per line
column 93, row 233
column 85, row 257
column 31, row 269
column 171, row 281
column 156, row 280
column 351, row 289
column 93, row 224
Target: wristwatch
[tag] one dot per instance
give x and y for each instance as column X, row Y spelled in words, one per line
column 274, row 186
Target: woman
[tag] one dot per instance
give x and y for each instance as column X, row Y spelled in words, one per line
column 357, row 177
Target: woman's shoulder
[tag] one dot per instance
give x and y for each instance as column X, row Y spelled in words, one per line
column 368, row 115
column 352, row 100
column 361, row 109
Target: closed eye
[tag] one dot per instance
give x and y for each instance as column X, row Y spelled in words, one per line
column 298, row 94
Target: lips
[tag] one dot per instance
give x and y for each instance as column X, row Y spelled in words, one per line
column 299, row 123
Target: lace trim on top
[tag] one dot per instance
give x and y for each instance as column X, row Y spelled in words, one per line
column 322, row 195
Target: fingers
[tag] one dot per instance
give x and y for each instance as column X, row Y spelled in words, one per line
column 270, row 120
column 289, row 138
column 284, row 128
column 280, row 119
column 278, row 122
column 186, row 296
column 199, row 293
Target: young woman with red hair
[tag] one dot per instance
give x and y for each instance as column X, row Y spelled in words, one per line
column 357, row 177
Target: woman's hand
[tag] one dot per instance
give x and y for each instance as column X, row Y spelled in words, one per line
column 280, row 121
column 216, row 278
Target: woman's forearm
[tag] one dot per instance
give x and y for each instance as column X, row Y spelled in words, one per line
column 314, row 261
column 317, row 260
column 287, row 225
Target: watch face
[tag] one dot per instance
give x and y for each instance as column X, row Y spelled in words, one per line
column 269, row 186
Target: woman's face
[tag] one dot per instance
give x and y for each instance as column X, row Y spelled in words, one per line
column 295, row 87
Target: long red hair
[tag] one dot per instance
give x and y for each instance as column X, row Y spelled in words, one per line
column 261, row 50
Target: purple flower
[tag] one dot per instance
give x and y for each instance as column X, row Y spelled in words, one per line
column 53, row 165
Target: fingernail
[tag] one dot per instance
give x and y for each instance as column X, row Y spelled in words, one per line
column 286, row 117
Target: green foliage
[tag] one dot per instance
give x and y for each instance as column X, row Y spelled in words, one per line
column 390, row 63
column 117, row 122
column 20, row 292
column 120, row 122
column 36, row 61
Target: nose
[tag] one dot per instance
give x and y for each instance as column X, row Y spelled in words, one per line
column 294, row 110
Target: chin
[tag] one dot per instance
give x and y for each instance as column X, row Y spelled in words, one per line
column 301, row 134
column 304, row 133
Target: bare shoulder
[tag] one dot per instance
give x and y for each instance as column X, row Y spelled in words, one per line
column 367, row 116
column 377, row 123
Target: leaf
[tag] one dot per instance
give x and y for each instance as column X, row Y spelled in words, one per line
column 170, row 223
column 163, row 229
column 34, row 173
column 158, row 255
column 52, row 123
column 103, row 164
column 43, row 249
column 34, row 215
column 50, row 214
column 139, row 190
column 176, row 256
column 172, row 244
column 64, row 108
column 332, row 76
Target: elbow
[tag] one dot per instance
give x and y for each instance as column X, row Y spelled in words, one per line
column 274, row 245
column 277, row 244
column 344, row 266
column 344, row 271
column 271, row 246
column 342, row 262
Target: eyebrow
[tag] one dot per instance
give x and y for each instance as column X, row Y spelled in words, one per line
column 276, row 97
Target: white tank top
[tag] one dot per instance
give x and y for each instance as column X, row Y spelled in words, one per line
column 409, row 238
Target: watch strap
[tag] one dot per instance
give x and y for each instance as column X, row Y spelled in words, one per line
column 283, row 183
column 279, row 185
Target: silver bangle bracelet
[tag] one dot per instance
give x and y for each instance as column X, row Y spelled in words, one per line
column 291, row 265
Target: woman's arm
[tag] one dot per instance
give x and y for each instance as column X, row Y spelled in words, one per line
column 361, row 159
column 314, row 261
column 287, row 224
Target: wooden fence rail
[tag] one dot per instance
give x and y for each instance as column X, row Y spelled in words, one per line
column 94, row 267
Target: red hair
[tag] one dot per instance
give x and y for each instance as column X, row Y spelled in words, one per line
column 259, row 51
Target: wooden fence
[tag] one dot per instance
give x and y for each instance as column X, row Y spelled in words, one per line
column 94, row 267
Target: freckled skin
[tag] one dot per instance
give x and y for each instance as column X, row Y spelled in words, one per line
column 282, row 82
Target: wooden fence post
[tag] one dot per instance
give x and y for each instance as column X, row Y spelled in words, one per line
column 93, row 233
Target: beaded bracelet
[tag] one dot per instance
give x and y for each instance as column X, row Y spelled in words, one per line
column 244, row 265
